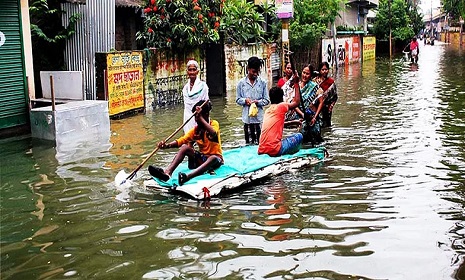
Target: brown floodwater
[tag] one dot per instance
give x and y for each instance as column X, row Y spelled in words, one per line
column 390, row 204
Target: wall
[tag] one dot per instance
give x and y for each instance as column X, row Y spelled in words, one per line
column 95, row 32
column 165, row 74
column 236, row 63
column 453, row 38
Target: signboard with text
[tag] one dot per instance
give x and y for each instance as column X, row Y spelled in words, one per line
column 125, row 78
column 346, row 50
column 369, row 47
column 284, row 9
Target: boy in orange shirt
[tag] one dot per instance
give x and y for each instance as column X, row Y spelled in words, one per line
column 271, row 142
column 207, row 136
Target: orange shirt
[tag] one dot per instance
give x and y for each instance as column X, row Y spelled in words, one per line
column 272, row 129
column 207, row 145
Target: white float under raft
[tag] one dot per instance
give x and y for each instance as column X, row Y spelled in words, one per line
column 241, row 166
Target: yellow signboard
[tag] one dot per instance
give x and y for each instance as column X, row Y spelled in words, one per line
column 124, row 82
column 369, row 48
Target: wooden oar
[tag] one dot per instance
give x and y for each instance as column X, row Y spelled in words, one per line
column 133, row 173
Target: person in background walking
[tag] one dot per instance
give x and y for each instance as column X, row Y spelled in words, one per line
column 252, row 95
column 414, row 50
column 193, row 91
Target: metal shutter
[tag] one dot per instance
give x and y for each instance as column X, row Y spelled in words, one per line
column 13, row 97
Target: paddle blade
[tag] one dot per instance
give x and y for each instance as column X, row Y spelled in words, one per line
column 121, row 178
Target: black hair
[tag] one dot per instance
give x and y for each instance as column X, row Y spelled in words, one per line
column 313, row 72
column 311, row 68
column 205, row 109
column 324, row 63
column 254, row 63
column 276, row 95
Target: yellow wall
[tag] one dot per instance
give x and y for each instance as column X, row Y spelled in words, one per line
column 453, row 38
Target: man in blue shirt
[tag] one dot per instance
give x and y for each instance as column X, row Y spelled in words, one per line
column 252, row 90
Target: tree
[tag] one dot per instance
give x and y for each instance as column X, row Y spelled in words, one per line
column 397, row 18
column 243, row 22
column 416, row 18
column 311, row 19
column 455, row 9
column 46, row 21
column 181, row 24
column 48, row 36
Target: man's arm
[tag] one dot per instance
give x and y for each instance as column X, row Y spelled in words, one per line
column 296, row 102
column 240, row 98
column 210, row 130
column 204, row 123
column 265, row 97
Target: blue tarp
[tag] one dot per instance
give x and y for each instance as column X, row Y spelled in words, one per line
column 240, row 161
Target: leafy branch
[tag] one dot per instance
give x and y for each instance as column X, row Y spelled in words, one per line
column 41, row 13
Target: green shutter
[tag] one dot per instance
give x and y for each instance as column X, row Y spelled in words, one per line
column 13, row 94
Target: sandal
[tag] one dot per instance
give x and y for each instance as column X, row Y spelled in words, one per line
column 158, row 173
column 182, row 178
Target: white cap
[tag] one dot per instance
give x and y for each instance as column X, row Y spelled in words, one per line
column 192, row 62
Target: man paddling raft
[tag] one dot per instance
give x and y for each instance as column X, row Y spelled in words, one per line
column 209, row 156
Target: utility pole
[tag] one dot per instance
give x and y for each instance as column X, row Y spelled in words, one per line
column 390, row 29
column 431, row 21
column 284, row 11
column 461, row 30
column 333, row 26
column 285, row 41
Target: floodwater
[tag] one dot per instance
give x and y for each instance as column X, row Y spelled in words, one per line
column 389, row 205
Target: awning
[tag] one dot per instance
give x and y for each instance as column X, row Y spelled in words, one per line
column 118, row 3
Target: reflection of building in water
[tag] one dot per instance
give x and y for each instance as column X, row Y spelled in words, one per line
column 77, row 160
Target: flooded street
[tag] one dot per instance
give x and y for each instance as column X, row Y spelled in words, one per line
column 389, row 205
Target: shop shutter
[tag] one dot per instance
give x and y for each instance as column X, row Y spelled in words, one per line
column 13, row 96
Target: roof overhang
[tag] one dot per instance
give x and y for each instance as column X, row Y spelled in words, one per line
column 368, row 4
column 118, row 3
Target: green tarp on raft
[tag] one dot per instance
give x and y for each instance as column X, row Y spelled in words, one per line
column 240, row 161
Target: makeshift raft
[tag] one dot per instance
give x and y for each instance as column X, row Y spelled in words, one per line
column 241, row 166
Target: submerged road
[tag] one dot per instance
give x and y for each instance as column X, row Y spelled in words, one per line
column 390, row 204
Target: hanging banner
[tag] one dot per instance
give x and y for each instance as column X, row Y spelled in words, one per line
column 347, row 50
column 124, row 82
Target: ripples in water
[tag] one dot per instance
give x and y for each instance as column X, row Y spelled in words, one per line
column 389, row 205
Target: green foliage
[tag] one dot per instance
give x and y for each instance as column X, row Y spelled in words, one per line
column 416, row 18
column 42, row 13
column 242, row 23
column 181, row 24
column 310, row 22
column 396, row 18
column 455, row 9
